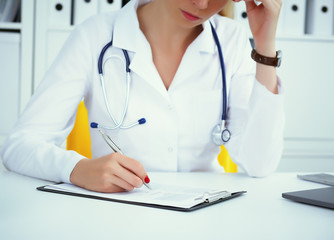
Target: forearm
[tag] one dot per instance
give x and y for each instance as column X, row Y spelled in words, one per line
column 263, row 21
column 27, row 155
column 266, row 75
column 257, row 140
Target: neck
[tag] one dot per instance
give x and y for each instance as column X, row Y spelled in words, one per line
column 161, row 30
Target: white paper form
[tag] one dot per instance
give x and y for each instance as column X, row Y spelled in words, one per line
column 175, row 196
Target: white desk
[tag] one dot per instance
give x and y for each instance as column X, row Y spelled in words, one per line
column 262, row 213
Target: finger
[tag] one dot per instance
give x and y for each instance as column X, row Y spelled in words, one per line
column 256, row 2
column 135, row 167
column 111, row 188
column 111, row 183
column 250, row 5
column 271, row 4
column 120, row 184
column 127, row 176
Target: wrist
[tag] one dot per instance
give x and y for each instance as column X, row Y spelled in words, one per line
column 274, row 61
column 75, row 176
column 266, row 48
column 266, row 51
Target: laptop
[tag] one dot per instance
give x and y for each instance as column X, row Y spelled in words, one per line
column 322, row 197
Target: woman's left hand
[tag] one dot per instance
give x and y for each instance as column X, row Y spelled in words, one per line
column 263, row 21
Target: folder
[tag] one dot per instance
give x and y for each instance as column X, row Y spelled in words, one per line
column 83, row 9
column 9, row 80
column 240, row 15
column 320, row 17
column 292, row 17
column 59, row 13
column 106, row 5
column 161, row 196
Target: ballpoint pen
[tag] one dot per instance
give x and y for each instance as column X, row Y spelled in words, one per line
column 115, row 148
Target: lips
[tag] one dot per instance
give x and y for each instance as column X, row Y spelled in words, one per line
column 189, row 16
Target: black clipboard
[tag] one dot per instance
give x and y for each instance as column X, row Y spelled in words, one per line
column 193, row 208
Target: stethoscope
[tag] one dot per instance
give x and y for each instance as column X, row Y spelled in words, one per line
column 220, row 134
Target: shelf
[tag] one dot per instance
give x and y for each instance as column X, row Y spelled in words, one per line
column 306, row 37
column 10, row 26
column 61, row 28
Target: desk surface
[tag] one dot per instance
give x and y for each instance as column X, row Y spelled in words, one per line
column 262, row 213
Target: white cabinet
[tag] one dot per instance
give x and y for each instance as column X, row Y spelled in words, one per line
column 10, row 79
column 55, row 19
column 307, row 72
column 52, row 27
column 17, row 86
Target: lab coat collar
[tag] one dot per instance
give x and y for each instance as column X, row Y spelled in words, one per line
column 205, row 41
column 126, row 28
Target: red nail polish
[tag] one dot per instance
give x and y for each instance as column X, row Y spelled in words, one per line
column 147, row 180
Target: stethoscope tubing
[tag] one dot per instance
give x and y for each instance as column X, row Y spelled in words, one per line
column 222, row 63
column 126, row 104
column 128, row 84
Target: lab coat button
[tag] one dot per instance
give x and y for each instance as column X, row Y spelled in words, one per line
column 170, row 149
column 170, row 106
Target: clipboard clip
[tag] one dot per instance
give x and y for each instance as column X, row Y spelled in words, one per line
column 213, row 196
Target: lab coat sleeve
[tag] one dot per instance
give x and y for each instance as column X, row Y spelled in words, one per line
column 33, row 146
column 255, row 118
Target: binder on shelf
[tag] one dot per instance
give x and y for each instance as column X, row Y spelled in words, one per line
column 293, row 17
column 59, row 13
column 320, row 17
column 240, row 14
column 107, row 5
column 124, row 2
column 9, row 9
column 2, row 9
column 84, row 9
column 9, row 80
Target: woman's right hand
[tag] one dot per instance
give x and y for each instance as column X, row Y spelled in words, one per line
column 111, row 173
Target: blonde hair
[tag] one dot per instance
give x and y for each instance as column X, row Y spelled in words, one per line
column 228, row 10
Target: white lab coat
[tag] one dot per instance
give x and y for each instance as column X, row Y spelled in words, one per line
column 177, row 135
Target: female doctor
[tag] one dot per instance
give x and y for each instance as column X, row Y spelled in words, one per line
column 162, row 63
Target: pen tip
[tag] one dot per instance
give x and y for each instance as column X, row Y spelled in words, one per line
column 148, row 186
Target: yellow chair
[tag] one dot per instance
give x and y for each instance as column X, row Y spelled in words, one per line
column 225, row 160
column 79, row 140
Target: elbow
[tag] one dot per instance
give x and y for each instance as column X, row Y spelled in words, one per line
column 260, row 172
column 10, row 152
column 262, row 165
column 4, row 157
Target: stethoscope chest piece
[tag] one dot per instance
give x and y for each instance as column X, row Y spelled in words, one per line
column 220, row 134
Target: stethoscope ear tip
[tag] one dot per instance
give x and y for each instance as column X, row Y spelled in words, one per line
column 94, row 125
column 142, row 121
